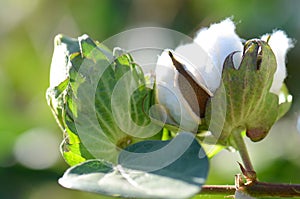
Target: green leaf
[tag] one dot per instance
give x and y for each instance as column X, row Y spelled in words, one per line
column 148, row 169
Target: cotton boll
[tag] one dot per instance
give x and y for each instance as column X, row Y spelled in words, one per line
column 169, row 95
column 280, row 44
column 59, row 71
column 219, row 40
column 203, row 60
column 63, row 47
column 199, row 65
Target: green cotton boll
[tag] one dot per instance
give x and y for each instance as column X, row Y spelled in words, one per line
column 244, row 100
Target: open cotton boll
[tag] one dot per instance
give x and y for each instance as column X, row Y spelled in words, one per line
column 58, row 69
column 199, row 66
column 280, row 44
column 169, row 95
column 203, row 60
column 220, row 40
column 63, row 47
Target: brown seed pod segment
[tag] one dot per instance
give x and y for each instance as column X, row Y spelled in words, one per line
column 190, row 88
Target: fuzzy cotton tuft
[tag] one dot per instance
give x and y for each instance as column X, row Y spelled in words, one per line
column 280, row 44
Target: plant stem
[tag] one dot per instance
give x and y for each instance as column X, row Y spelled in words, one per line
column 262, row 189
column 256, row 189
column 252, row 186
column 247, row 170
column 218, row 189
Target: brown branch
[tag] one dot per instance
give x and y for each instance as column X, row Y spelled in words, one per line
column 255, row 189
column 218, row 189
column 263, row 189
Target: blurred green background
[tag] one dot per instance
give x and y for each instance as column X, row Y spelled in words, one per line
column 30, row 163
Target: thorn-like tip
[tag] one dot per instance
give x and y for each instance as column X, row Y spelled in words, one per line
column 242, row 168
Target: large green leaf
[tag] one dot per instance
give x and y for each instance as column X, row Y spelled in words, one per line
column 148, row 169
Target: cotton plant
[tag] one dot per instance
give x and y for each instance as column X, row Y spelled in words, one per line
column 219, row 50
column 225, row 85
column 214, row 91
